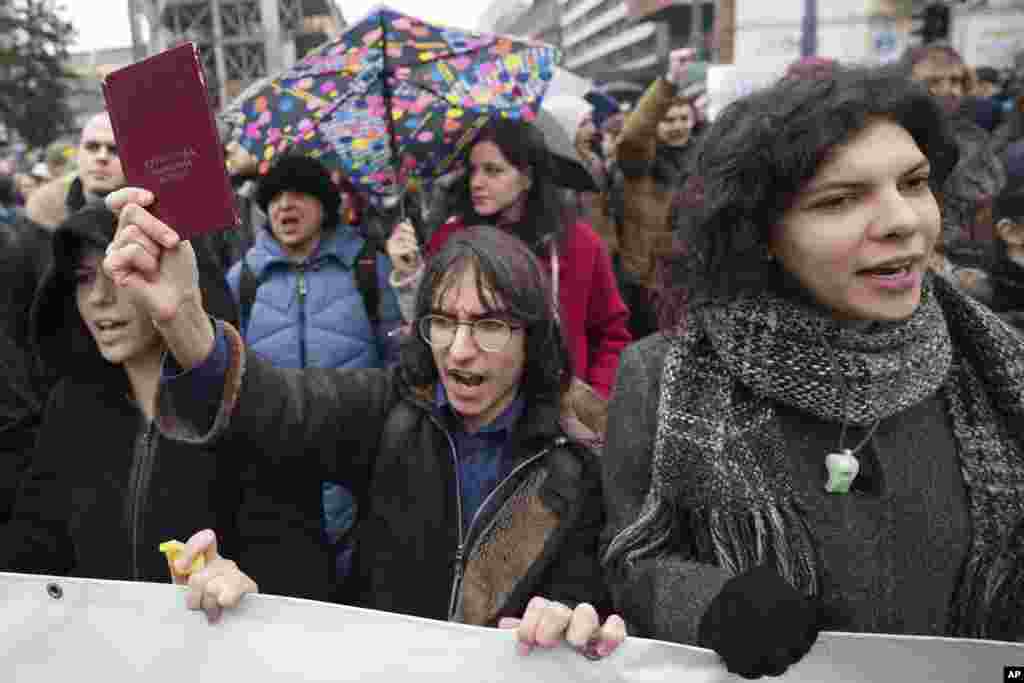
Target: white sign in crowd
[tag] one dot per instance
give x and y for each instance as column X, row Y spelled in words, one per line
column 60, row 629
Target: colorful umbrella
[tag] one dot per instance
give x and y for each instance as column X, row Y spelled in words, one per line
column 395, row 99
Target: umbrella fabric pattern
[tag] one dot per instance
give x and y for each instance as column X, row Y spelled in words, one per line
column 395, row 99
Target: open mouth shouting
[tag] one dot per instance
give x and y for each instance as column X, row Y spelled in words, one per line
column 107, row 325
column 467, row 379
column 900, row 273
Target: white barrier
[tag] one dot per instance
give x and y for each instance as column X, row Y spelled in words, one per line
column 76, row 629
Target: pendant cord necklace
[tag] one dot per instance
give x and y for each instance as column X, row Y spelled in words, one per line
column 845, row 388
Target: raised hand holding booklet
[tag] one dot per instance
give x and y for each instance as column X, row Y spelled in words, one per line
column 168, row 142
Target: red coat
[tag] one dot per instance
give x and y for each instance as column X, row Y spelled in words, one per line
column 594, row 317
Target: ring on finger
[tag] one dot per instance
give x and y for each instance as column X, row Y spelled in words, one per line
column 589, row 651
column 209, row 601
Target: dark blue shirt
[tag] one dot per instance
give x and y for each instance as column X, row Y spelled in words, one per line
column 482, row 458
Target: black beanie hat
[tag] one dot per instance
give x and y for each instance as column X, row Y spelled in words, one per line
column 300, row 174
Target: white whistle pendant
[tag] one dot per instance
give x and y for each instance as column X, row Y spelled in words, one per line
column 842, row 470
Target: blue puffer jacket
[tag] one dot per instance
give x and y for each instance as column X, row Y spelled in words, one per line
column 312, row 314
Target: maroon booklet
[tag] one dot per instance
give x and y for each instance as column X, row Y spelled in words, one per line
column 168, row 142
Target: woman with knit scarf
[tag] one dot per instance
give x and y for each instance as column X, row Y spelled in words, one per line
column 826, row 436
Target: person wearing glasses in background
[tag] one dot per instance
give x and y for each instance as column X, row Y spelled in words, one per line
column 479, row 498
column 99, row 174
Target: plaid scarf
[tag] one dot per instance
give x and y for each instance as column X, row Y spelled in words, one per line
column 721, row 482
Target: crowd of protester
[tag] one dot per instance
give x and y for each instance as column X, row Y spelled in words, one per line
column 766, row 380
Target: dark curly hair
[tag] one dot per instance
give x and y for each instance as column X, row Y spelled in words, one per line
column 757, row 156
column 510, row 281
column 523, row 145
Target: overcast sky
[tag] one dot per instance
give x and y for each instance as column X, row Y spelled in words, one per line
column 104, row 23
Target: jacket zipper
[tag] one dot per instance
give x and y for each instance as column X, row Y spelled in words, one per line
column 457, row 579
column 143, row 468
column 302, row 317
column 460, row 555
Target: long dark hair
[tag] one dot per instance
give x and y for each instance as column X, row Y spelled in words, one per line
column 523, row 145
column 509, row 280
column 758, row 155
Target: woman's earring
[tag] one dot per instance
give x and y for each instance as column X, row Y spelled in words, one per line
column 766, row 254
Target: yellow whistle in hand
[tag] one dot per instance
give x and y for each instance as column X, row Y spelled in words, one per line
column 174, row 548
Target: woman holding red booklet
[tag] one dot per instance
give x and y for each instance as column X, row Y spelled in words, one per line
column 105, row 486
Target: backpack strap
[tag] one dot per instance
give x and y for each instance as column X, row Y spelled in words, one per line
column 247, row 286
column 366, row 279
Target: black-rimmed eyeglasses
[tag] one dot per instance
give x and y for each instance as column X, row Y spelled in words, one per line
column 490, row 334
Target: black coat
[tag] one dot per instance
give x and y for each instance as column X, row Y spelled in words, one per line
column 369, row 431
column 105, row 489
column 24, row 254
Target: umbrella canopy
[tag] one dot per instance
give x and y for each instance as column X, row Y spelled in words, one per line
column 395, row 98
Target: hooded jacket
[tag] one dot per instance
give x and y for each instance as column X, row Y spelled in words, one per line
column 105, row 488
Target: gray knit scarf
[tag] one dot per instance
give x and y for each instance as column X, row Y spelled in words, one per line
column 721, row 485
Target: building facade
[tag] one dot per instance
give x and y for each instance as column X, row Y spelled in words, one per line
column 619, row 42
column 91, row 67
column 539, row 22
column 501, row 15
column 239, row 41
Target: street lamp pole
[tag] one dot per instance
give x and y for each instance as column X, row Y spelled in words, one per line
column 809, row 29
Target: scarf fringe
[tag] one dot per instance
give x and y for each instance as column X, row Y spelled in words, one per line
column 989, row 602
column 648, row 536
column 736, row 542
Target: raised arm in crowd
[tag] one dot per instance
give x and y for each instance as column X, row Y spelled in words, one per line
column 459, row 457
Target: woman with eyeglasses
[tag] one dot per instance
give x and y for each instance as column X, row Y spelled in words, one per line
column 479, row 499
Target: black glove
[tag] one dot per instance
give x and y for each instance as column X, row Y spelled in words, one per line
column 759, row 624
